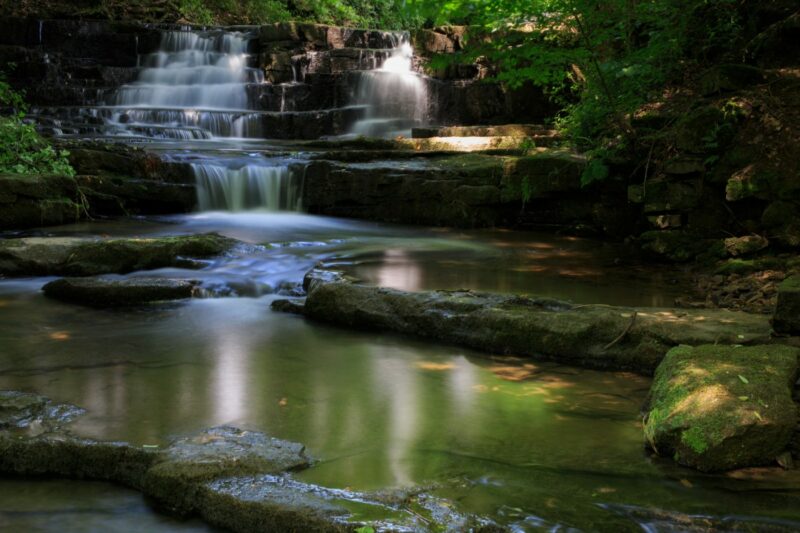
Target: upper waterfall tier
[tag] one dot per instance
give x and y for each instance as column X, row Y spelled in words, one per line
column 194, row 70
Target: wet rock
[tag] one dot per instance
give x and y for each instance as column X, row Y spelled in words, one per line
column 28, row 201
column 595, row 336
column 23, row 410
column 718, row 407
column 747, row 245
column 68, row 256
column 296, row 307
column 787, row 310
column 219, row 452
column 100, row 292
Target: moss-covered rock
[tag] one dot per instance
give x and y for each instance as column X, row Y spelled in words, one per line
column 100, row 292
column 679, row 246
column 787, row 310
column 747, row 245
column 730, row 77
column 28, row 201
column 715, row 407
column 596, row 336
column 68, row 256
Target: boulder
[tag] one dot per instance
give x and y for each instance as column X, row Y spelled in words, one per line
column 714, row 407
column 70, row 256
column 787, row 311
column 747, row 245
column 101, row 292
column 730, row 77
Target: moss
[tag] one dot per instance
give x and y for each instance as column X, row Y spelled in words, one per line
column 790, row 284
column 720, row 407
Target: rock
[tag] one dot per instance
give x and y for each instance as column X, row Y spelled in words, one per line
column 747, row 245
column 677, row 246
column 184, row 466
column 778, row 45
column 504, row 130
column 23, row 410
column 782, row 221
column 68, row 256
column 99, row 292
column 681, row 166
column 715, row 407
column 787, row 311
column 28, row 201
column 730, row 77
column 595, row 336
column 703, row 131
column 296, row 307
column 232, row 478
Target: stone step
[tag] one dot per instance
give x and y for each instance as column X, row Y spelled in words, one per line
column 505, row 130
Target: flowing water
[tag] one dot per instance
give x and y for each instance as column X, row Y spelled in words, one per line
column 536, row 446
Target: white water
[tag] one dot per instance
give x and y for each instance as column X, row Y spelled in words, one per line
column 396, row 97
column 220, row 187
column 196, row 80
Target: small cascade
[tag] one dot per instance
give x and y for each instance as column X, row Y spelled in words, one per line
column 395, row 96
column 220, row 187
column 196, row 80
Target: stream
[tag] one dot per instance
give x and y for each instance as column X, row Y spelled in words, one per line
column 534, row 446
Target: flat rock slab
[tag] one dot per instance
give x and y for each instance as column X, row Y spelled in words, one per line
column 596, row 336
column 717, row 407
column 70, row 256
column 232, row 478
column 100, row 292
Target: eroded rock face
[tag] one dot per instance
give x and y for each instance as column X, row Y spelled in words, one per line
column 99, row 292
column 716, row 407
column 68, row 256
column 595, row 336
column 37, row 200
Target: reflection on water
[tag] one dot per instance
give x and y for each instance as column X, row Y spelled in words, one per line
column 528, row 443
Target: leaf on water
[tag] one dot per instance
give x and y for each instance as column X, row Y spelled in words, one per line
column 743, row 379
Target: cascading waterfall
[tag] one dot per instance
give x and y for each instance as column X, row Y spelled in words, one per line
column 395, row 96
column 196, row 81
column 248, row 187
column 196, row 87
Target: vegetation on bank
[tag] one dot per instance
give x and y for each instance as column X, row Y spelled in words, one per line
column 22, row 149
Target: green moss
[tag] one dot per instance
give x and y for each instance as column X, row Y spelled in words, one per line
column 695, row 439
column 790, row 284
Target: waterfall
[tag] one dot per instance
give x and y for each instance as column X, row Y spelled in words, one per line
column 275, row 188
column 395, row 96
column 196, row 80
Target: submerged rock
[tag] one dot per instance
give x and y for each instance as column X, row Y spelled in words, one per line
column 100, row 292
column 787, row 310
column 69, row 256
column 179, row 471
column 596, row 336
column 716, row 407
column 232, row 478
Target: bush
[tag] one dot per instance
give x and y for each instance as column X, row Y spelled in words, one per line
column 22, row 149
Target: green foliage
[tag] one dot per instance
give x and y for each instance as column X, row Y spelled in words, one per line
column 22, row 149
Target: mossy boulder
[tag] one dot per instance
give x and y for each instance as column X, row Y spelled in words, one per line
column 101, row 292
column 787, row 310
column 730, row 77
column 716, row 408
column 679, row 246
column 68, row 256
column 747, row 245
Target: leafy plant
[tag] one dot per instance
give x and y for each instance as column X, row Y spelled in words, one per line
column 22, row 149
